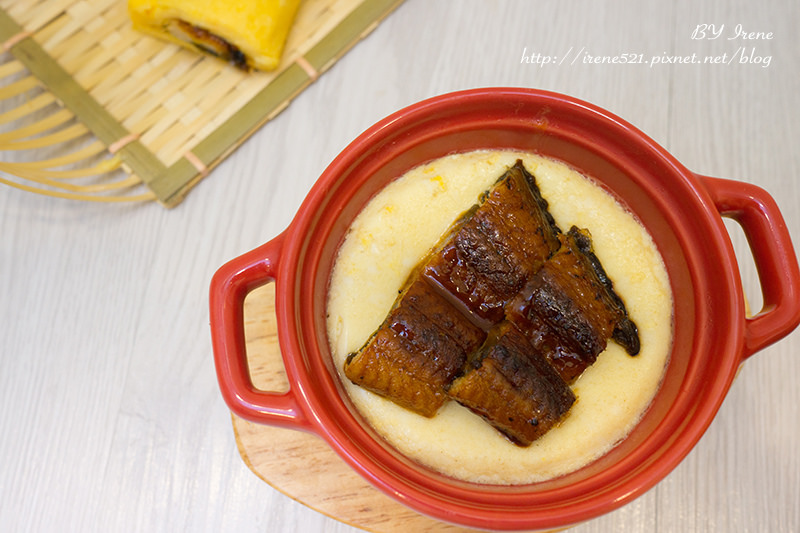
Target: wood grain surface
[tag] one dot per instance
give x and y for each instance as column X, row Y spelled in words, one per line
column 111, row 418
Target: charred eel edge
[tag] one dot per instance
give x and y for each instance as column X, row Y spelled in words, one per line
column 625, row 332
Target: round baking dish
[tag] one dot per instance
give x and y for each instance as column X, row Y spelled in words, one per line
column 682, row 211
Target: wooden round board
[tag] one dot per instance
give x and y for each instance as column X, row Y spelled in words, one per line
column 299, row 464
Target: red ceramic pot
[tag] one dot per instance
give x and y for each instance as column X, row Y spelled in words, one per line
column 682, row 211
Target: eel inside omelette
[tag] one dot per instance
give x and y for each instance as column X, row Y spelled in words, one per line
column 249, row 34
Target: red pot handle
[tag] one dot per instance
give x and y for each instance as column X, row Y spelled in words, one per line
column 774, row 256
column 229, row 287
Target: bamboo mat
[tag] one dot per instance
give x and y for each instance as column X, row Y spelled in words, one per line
column 121, row 116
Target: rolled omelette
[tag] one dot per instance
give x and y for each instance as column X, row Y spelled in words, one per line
column 250, row 34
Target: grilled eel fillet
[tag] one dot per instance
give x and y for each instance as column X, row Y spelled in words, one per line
column 501, row 316
column 495, row 247
column 568, row 309
column 417, row 351
column 555, row 328
column 480, row 264
column 513, row 387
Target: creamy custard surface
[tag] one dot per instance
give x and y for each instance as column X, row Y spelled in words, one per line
column 398, row 228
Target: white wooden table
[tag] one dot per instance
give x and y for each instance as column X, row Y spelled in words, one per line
column 110, row 415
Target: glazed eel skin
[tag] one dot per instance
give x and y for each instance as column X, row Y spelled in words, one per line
column 501, row 316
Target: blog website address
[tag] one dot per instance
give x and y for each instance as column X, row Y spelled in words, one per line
column 741, row 56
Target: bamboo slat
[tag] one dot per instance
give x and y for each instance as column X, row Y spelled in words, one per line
column 179, row 113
